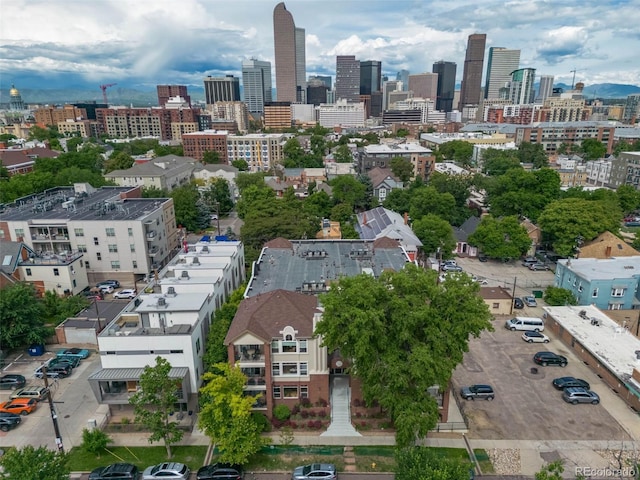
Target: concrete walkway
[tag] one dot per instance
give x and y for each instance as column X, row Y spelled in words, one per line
column 341, row 425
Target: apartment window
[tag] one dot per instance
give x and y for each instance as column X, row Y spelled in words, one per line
column 495, row 305
column 276, row 392
column 132, row 247
column 111, row 232
column 615, row 306
column 304, row 391
column 86, row 264
column 303, row 368
column 289, row 347
column 275, row 346
column 113, row 248
column 115, row 264
column 580, row 287
column 618, row 292
column 275, row 369
column 82, row 248
column 28, row 270
column 303, row 346
column 56, row 272
column 96, row 241
column 198, row 346
column 595, row 293
column 289, row 368
column 79, row 232
column 290, row 392
column 135, row 264
column 130, row 232
column 98, row 255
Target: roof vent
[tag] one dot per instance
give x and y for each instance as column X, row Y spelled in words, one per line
column 184, row 274
column 195, row 261
column 205, row 249
column 162, row 302
column 171, row 291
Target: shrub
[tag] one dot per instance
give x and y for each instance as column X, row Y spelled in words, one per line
column 322, row 413
column 293, row 424
column 125, row 421
column 262, row 421
column 306, row 403
column 94, row 441
column 322, row 402
column 317, row 424
column 295, row 410
column 312, row 413
column 276, row 423
column 281, row 412
column 304, row 413
column 286, row 436
column 357, row 403
column 310, row 424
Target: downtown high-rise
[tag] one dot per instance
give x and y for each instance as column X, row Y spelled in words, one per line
column 446, row 84
column 501, row 62
column 256, row 84
column 290, row 56
column 521, row 90
column 471, row 87
column 347, row 78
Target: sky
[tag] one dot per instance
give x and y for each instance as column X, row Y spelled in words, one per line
column 142, row 43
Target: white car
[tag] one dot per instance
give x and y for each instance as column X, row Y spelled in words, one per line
column 106, row 288
column 531, row 336
column 127, row 293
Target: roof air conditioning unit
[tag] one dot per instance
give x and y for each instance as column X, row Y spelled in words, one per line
column 184, row 274
column 195, row 261
column 171, row 291
column 205, row 249
column 162, row 301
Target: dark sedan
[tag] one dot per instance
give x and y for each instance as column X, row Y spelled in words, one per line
column 568, row 382
column 550, row 358
column 12, row 381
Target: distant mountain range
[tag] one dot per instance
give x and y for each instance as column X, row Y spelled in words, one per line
column 144, row 97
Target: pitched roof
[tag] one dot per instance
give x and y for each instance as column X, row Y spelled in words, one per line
column 379, row 175
column 386, row 242
column 12, row 157
column 215, row 167
column 607, row 245
column 267, row 314
column 158, row 167
column 381, row 222
column 467, row 228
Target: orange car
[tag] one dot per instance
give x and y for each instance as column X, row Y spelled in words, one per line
column 23, row 406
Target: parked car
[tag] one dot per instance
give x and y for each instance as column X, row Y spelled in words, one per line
column 518, row 303
column 7, row 423
column 167, row 470
column 324, row 471
column 483, row 258
column 127, row 293
column 529, row 260
column 35, row 392
column 55, row 371
column 550, row 358
column 566, row 382
column 93, row 294
column 577, row 395
column 12, row 381
column 220, row 471
column 81, row 353
column 530, row 301
column 21, row 406
column 113, row 283
column 104, row 289
column 116, row 471
column 8, row 415
column 538, row 266
column 477, row 391
column 531, row 336
column 66, row 359
column 448, row 267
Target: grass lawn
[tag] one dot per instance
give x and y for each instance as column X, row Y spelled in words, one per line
column 81, row 461
column 483, row 459
column 279, row 458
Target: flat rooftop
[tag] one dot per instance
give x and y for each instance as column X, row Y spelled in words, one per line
column 309, row 266
column 64, row 204
column 384, row 148
column 612, row 344
column 604, row 268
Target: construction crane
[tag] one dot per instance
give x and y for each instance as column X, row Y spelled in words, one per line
column 104, row 91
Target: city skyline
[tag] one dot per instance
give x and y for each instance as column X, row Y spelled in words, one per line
column 53, row 45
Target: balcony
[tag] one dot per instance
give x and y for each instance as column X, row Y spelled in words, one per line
column 151, row 235
column 249, row 353
column 154, row 251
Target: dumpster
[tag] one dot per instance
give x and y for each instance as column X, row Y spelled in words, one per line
column 36, row 350
column 538, row 293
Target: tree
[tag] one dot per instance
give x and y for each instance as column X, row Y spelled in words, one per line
column 532, row 153
column 185, row 199
column 592, row 149
column 435, row 233
column 318, row 204
column 401, row 168
column 458, row 151
column 95, row 441
column 245, row 180
column 118, row 161
column 425, row 200
column 502, row 238
column 403, row 334
column 556, row 296
column 211, row 156
column 423, row 463
column 21, row 317
column 497, row 162
column 219, row 193
column 216, row 351
column 567, row 221
column 30, row 463
column 154, row 192
column 226, row 414
column 398, row 200
column 293, row 153
column 628, row 198
column 241, row 165
column 347, row 189
column 342, row 154
column 155, row 400
column 57, row 308
column 342, row 212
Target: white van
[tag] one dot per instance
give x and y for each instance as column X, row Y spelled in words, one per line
column 525, row 323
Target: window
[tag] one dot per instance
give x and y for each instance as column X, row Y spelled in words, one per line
column 303, row 346
column 28, row 270
column 615, row 306
column 82, row 248
column 289, row 368
column 132, row 247
column 19, row 232
column 111, row 232
column 289, row 347
column 290, row 392
column 113, row 248
column 595, row 293
column 198, row 346
column 275, row 369
column 130, row 232
column 304, row 392
column 275, row 346
column 276, row 392
column 303, row 368
column 580, row 287
column 86, row 264
column 98, row 255
column 618, row 292
column 115, row 264
column 79, row 232
column 495, row 305
column 56, row 272
column 96, row 241
column 134, row 264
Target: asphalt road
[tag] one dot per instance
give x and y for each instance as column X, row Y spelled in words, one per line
column 287, row 476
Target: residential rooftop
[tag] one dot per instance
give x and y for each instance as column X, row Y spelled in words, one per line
column 383, row 148
column 604, row 268
column 309, row 266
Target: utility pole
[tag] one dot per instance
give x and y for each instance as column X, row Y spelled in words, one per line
column 54, row 415
column 513, row 295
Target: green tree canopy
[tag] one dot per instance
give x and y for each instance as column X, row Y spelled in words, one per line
column 31, row 463
column 293, row 153
column 565, row 222
column 497, row 162
column 219, row 192
column 211, row 156
column 628, row 198
column 216, row 351
column 533, row 153
column 458, row 151
column 21, row 317
column 342, row 154
column 241, row 165
column 118, row 161
column 426, row 200
column 191, row 212
column 245, row 180
column 226, row 414
column 435, row 233
column 347, row 189
column 556, row 296
column 457, row 185
column 404, row 334
column 401, row 168
column 502, row 238
column 398, row 200
column 155, row 400
column 592, row 149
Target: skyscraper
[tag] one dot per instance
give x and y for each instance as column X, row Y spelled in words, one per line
column 446, row 84
column 546, row 88
column 521, row 89
column 348, row 78
column 502, row 61
column 256, row 84
column 165, row 92
column 403, row 76
column 325, row 79
column 471, row 86
column 370, row 77
column 289, row 43
column 388, row 87
column 424, row 85
column 221, row 89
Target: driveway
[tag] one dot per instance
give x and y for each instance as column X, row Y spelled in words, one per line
column 527, row 406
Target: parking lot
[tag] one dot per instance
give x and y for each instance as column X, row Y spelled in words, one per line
column 526, row 405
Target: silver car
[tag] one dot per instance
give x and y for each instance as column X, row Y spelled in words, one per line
column 168, row 471
column 575, row 395
column 323, row 471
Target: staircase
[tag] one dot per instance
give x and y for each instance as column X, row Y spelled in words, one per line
column 340, row 410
